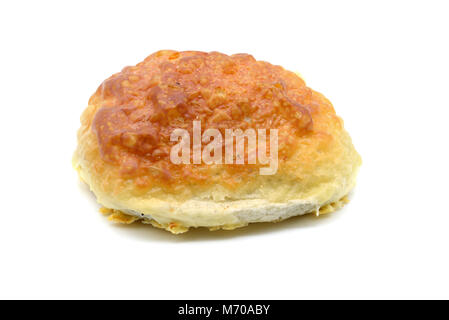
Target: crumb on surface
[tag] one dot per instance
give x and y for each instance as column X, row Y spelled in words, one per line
column 331, row 207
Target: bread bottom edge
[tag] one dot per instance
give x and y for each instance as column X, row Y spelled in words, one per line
column 175, row 227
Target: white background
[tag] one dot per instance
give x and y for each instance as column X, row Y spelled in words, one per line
column 384, row 65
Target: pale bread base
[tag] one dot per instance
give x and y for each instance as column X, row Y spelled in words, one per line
column 263, row 213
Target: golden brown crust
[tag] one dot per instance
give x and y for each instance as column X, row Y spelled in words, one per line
column 140, row 106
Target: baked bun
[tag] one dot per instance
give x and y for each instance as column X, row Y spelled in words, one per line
column 125, row 144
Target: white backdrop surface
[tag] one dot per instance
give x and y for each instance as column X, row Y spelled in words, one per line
column 384, row 65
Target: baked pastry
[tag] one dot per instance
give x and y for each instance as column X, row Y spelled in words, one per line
column 303, row 162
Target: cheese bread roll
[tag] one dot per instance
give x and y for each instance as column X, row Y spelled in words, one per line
column 194, row 139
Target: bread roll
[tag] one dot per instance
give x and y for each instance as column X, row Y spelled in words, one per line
column 296, row 156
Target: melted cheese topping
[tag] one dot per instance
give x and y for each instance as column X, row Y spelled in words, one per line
column 142, row 105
